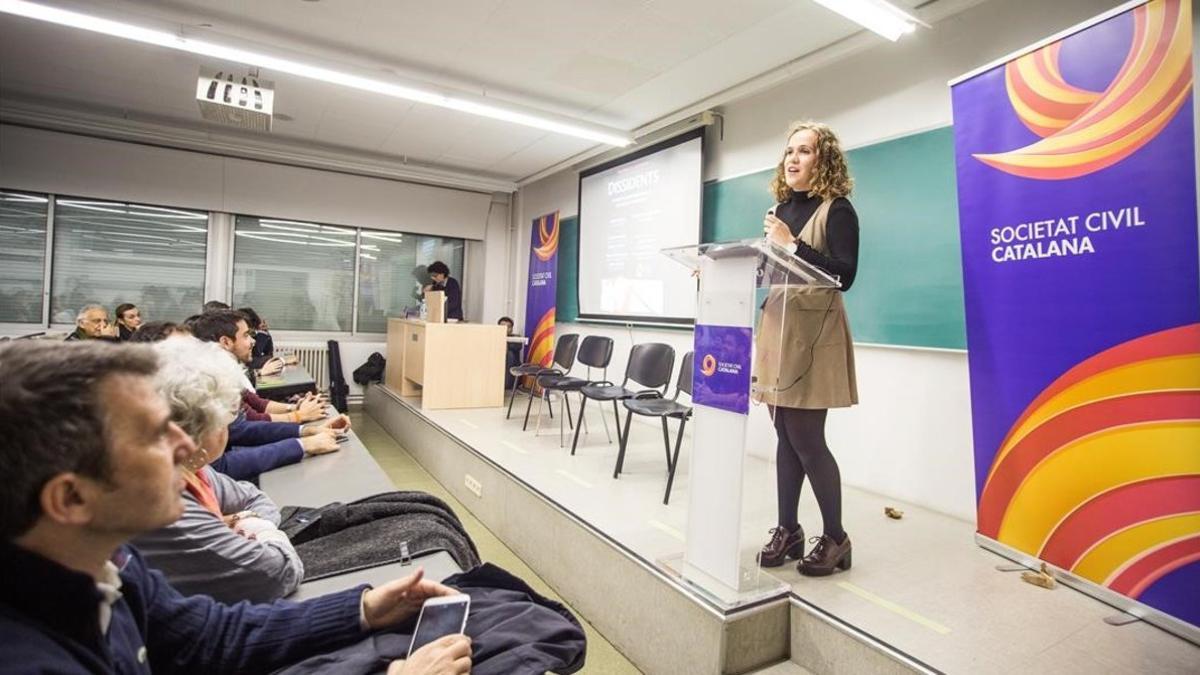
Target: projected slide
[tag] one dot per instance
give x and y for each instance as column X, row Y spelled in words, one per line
column 629, row 210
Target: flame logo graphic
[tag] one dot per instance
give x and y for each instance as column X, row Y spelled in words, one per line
column 1101, row 473
column 1083, row 131
column 708, row 365
column 547, row 237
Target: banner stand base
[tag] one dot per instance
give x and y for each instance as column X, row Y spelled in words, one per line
column 1010, row 567
column 1121, row 619
column 1133, row 609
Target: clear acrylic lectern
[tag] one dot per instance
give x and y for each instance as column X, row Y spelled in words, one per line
column 744, row 287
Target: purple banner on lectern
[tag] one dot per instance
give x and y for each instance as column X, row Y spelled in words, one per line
column 1077, row 208
column 721, row 368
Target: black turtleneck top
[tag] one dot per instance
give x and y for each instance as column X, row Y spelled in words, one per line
column 841, row 234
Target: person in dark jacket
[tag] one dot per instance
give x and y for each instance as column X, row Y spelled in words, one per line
column 75, row 598
column 439, row 272
column 129, row 319
column 92, row 324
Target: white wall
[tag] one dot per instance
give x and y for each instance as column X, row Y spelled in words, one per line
column 69, row 164
column 910, row 438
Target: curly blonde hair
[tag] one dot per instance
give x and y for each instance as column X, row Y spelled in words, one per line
column 831, row 177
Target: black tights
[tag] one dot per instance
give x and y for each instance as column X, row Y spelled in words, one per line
column 802, row 452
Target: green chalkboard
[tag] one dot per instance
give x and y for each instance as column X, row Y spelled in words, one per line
column 909, row 286
column 567, row 300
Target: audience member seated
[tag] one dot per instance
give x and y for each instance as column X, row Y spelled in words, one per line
column 264, row 346
column 157, row 331
column 229, row 329
column 74, row 597
column 213, row 306
column 255, row 447
column 227, row 544
column 512, row 355
column 129, row 318
column 92, row 324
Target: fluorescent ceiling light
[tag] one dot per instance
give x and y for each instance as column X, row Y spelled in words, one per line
column 878, row 16
column 250, row 57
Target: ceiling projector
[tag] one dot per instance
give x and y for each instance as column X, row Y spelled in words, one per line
column 245, row 102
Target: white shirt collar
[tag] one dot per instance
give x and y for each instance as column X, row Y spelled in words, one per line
column 109, row 586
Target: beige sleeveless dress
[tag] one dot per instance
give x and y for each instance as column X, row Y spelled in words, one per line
column 804, row 355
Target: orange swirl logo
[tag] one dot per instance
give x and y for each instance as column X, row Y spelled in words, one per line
column 1100, row 475
column 1084, row 131
column 547, row 237
column 708, row 365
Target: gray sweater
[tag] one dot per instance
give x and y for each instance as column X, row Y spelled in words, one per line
column 200, row 554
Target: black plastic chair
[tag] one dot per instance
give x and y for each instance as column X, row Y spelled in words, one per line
column 662, row 408
column 564, row 360
column 338, row 389
column 594, row 352
column 650, row 366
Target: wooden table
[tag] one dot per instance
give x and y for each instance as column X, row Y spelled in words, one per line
column 449, row 365
column 290, row 381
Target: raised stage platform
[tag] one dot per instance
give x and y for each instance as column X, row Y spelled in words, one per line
column 921, row 597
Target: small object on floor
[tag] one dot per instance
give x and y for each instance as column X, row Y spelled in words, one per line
column 893, row 513
column 1043, row 578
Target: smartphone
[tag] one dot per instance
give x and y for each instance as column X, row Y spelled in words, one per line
column 439, row 617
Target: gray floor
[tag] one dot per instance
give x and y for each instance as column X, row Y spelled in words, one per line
column 920, row 584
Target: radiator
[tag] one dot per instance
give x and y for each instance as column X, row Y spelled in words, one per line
column 314, row 359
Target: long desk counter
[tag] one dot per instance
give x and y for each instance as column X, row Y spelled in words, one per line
column 347, row 475
column 449, row 365
column 290, row 381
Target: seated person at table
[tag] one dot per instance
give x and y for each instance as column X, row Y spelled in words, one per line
column 75, row 597
column 92, row 324
column 264, row 347
column 157, row 331
column 512, row 355
column 129, row 318
column 213, row 305
column 229, row 329
column 255, row 447
column 442, row 281
column 227, row 543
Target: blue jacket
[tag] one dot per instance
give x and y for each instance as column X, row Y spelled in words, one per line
column 255, row 447
column 49, row 622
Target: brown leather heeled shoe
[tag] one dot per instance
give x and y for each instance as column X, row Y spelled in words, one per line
column 825, row 557
column 782, row 546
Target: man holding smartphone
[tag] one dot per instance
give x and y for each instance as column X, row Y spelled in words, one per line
column 75, row 597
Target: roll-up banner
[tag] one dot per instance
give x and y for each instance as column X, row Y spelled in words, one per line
column 1076, row 168
column 541, row 297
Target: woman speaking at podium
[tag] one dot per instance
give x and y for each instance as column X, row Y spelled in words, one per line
column 805, row 353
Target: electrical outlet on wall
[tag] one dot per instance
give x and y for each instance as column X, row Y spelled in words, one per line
column 473, row 485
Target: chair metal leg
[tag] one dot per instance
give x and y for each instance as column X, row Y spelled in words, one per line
column 617, row 418
column 666, row 441
column 512, row 397
column 624, row 443
column 575, row 443
column 528, row 406
column 674, row 461
column 542, row 402
column 562, row 398
column 546, row 393
column 567, row 401
column 604, row 421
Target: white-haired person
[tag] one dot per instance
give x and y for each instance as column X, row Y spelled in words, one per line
column 91, row 323
column 227, row 543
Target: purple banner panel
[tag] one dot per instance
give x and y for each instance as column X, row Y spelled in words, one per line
column 541, row 298
column 721, row 368
column 1076, row 174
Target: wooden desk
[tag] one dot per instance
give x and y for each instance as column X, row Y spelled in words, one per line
column 449, row 365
